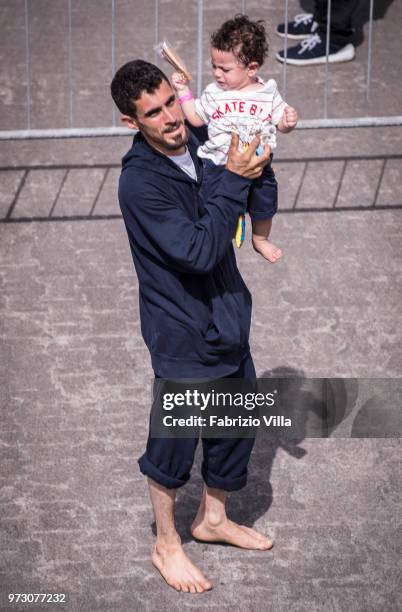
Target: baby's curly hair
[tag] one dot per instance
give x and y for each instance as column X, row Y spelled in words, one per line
column 244, row 38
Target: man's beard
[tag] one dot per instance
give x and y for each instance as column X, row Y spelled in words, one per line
column 179, row 139
column 159, row 143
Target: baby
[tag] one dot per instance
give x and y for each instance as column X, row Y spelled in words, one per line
column 240, row 101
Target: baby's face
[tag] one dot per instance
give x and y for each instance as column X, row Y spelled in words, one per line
column 228, row 72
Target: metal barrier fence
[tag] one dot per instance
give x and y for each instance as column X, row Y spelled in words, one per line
column 74, row 132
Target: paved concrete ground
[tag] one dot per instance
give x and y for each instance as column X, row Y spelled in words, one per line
column 75, row 375
column 75, row 516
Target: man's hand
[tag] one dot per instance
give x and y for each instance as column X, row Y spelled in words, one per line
column 247, row 163
column 289, row 119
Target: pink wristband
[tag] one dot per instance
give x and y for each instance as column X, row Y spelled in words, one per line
column 186, row 96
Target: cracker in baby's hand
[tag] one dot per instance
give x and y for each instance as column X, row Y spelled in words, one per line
column 167, row 53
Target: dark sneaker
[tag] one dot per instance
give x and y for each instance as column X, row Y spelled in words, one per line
column 312, row 50
column 302, row 26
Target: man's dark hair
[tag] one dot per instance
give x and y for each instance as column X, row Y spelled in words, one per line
column 244, row 38
column 131, row 80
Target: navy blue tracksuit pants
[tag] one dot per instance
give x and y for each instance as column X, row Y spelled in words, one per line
column 168, row 461
column 341, row 20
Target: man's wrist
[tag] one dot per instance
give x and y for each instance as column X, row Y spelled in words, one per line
column 236, row 173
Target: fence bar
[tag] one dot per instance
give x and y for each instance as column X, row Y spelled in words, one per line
column 352, row 122
column 306, row 124
column 326, row 59
column 28, row 66
column 200, row 32
column 65, row 133
column 113, row 55
column 285, row 50
column 156, row 32
column 370, row 44
column 70, row 62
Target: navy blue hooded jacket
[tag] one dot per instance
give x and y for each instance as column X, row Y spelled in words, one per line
column 195, row 308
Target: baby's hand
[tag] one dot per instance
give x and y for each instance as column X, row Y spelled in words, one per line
column 289, row 117
column 179, row 81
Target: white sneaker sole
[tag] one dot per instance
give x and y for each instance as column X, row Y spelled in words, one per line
column 294, row 36
column 346, row 54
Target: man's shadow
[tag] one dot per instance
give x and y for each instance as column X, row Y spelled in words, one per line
column 360, row 16
column 315, row 406
column 379, row 417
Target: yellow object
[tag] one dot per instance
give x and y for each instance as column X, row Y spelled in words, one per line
column 241, row 221
column 240, row 230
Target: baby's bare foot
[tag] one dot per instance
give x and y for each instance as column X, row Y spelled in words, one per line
column 267, row 249
column 231, row 533
column 178, row 571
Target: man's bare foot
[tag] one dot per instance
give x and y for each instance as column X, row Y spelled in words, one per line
column 178, row 571
column 267, row 249
column 229, row 532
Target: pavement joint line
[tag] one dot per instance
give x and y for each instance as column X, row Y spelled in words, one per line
column 59, row 218
column 312, row 209
column 279, row 160
column 343, row 208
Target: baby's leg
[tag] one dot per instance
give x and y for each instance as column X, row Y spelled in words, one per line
column 262, row 206
column 261, row 231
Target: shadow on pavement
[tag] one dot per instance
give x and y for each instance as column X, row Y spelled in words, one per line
column 316, row 407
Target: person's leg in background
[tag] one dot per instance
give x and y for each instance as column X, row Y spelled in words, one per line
column 312, row 50
column 341, row 29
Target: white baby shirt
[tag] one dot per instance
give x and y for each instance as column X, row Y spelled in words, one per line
column 243, row 111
